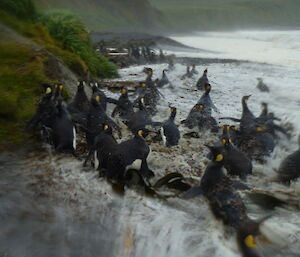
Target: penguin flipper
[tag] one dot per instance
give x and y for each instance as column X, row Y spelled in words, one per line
column 112, row 101
column 240, row 185
column 156, row 123
column 192, row 192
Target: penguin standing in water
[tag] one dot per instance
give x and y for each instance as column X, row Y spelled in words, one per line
column 236, row 162
column 267, row 119
column 262, row 86
column 124, row 107
column 63, row 130
column 164, row 80
column 103, row 98
column 95, row 117
column 188, row 73
column 193, row 70
column 141, row 118
column 103, row 148
column 248, row 121
column 202, row 81
column 169, row 131
column 80, row 102
column 289, row 169
column 150, row 94
column 206, row 100
column 131, row 152
column 226, row 203
column 199, row 117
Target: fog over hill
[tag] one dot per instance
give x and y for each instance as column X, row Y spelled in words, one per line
column 230, row 14
column 103, row 15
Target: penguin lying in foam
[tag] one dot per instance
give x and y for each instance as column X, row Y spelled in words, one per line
column 289, row 169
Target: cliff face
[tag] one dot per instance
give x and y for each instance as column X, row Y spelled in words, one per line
column 103, row 15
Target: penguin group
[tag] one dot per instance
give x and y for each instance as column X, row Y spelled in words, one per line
column 230, row 158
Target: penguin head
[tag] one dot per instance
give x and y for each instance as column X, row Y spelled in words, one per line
column 207, row 87
column 124, row 91
column 199, row 107
column 205, row 71
column 172, row 109
column 245, row 98
column 216, row 154
column 188, row 68
column 80, row 84
column 226, row 141
column 264, row 106
column 142, row 84
column 107, row 129
column 145, row 132
column 193, row 66
column 60, row 86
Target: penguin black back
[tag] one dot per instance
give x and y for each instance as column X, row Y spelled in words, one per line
column 169, row 129
column 80, row 102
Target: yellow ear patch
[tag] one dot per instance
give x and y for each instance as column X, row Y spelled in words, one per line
column 61, row 87
column 219, row 158
column 200, row 106
column 250, row 242
column 260, row 129
column 48, row 90
column 140, row 133
column 230, row 141
column 105, row 127
column 223, row 141
column 123, row 91
column 97, row 98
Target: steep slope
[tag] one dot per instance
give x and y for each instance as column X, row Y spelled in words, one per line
column 106, row 15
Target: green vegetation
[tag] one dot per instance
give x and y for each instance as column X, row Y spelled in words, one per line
column 229, row 14
column 31, row 46
column 68, row 29
column 103, row 15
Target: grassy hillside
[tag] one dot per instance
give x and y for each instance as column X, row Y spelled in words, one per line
column 38, row 48
column 226, row 14
column 103, row 15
